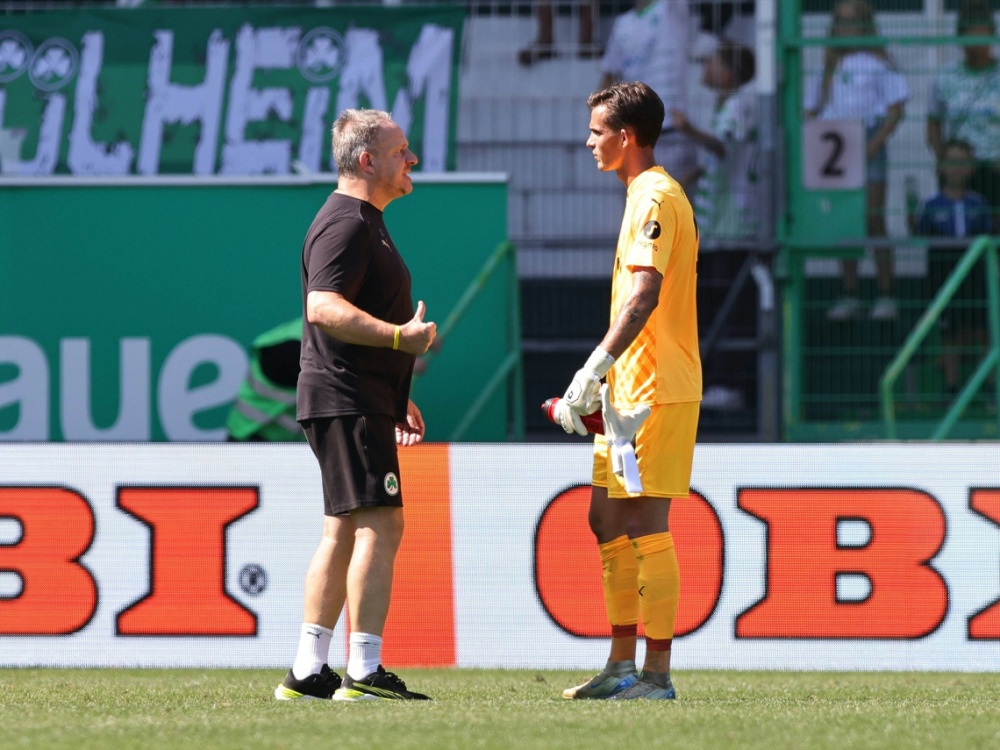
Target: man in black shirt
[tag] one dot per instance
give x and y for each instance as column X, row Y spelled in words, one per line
column 360, row 337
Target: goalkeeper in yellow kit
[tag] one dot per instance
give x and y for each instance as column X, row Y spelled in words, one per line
column 650, row 360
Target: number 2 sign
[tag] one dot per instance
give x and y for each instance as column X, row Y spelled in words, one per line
column 833, row 155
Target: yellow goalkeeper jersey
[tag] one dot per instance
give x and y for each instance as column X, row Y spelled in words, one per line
column 663, row 364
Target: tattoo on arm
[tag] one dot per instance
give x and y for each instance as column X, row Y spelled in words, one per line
column 633, row 314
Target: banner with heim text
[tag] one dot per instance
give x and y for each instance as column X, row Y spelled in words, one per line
column 228, row 91
column 830, row 557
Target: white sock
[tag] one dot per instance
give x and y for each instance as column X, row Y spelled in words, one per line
column 314, row 648
column 365, row 655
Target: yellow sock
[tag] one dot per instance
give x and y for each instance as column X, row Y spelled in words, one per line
column 659, row 584
column 621, row 571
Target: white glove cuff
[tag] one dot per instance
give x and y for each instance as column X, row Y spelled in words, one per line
column 599, row 362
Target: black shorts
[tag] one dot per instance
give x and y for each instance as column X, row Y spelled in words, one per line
column 357, row 460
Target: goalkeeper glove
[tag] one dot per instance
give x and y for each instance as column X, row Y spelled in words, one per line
column 582, row 395
column 619, row 432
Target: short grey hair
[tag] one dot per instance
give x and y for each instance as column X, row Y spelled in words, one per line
column 356, row 131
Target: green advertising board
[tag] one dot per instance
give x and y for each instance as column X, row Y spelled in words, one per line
column 219, row 90
column 127, row 307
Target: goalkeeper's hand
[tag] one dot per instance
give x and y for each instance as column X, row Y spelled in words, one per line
column 619, row 432
column 582, row 395
column 564, row 416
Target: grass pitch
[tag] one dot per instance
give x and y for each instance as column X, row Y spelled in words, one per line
column 508, row 709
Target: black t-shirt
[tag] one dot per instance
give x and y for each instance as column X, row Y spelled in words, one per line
column 348, row 251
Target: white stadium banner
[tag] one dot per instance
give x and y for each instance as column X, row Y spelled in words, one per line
column 863, row 556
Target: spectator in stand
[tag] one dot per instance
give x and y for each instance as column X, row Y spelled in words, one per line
column 861, row 83
column 956, row 211
column 727, row 170
column 651, row 43
column 725, row 206
column 543, row 48
column 965, row 103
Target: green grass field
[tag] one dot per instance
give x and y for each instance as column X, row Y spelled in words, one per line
column 183, row 708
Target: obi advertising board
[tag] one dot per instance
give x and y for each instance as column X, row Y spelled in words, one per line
column 792, row 557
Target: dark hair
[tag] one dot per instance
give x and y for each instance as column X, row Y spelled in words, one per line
column 738, row 59
column 974, row 14
column 632, row 105
column 959, row 143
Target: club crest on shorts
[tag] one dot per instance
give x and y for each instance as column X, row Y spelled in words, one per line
column 391, row 484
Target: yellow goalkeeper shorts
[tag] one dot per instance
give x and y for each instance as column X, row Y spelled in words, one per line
column 664, row 450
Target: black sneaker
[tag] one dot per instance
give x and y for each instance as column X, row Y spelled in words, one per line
column 380, row 684
column 314, row 687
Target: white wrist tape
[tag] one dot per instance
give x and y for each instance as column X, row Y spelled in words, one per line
column 599, row 362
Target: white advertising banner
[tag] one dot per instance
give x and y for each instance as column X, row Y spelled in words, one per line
column 876, row 556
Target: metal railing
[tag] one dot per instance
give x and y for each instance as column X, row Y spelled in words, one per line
column 834, row 363
column 983, row 246
column 510, row 370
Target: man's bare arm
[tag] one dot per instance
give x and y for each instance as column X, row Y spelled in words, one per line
column 641, row 302
column 339, row 318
